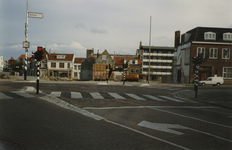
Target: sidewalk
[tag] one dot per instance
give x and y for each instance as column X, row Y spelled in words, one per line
column 221, row 98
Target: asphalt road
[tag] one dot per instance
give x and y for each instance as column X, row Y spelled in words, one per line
column 126, row 123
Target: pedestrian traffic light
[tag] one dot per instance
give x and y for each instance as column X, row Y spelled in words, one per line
column 39, row 53
column 194, row 60
column 34, row 55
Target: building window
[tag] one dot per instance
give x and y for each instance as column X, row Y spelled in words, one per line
column 227, row 72
column 75, row 67
column 53, row 65
column 60, row 56
column 61, row 65
column 68, row 65
column 132, row 70
column 79, row 67
column 225, row 53
column 201, row 50
column 154, row 51
column 213, row 53
column 137, row 71
column 75, row 74
column 104, row 57
column 210, row 36
column 227, row 36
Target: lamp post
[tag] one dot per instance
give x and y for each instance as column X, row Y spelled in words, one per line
column 149, row 52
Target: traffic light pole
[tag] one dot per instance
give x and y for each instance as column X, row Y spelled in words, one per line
column 196, row 80
column 37, row 91
column 26, row 49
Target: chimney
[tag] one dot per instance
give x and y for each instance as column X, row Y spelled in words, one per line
column 177, row 38
column 97, row 53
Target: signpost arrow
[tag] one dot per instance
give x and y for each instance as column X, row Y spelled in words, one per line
column 35, row 15
column 163, row 127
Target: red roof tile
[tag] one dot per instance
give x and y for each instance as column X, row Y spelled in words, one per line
column 79, row 60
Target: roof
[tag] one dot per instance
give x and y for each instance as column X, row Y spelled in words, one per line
column 59, row 57
column 157, row 47
column 79, row 60
column 197, row 34
column 120, row 60
column 12, row 58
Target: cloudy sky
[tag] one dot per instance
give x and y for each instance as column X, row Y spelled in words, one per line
column 72, row 26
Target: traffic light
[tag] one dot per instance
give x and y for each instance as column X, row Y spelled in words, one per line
column 39, row 53
column 194, row 60
column 200, row 58
column 35, row 55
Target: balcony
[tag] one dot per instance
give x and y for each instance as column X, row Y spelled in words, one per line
column 158, row 73
column 158, row 67
column 158, row 54
column 157, row 60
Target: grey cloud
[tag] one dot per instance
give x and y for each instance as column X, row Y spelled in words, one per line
column 80, row 25
column 98, row 30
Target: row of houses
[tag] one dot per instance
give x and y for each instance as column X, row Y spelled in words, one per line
column 167, row 64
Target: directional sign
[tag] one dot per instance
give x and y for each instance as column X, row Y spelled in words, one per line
column 163, row 127
column 35, row 15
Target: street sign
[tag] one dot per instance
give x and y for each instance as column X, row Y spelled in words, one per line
column 26, row 44
column 35, row 15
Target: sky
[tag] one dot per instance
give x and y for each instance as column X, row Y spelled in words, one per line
column 118, row 26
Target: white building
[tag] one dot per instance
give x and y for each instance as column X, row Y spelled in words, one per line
column 77, row 68
column 60, row 65
column 2, row 62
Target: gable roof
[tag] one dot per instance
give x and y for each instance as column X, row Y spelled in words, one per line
column 78, row 60
column 68, row 57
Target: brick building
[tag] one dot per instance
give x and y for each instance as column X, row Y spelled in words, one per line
column 213, row 43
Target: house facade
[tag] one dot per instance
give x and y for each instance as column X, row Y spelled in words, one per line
column 77, row 68
column 87, row 68
column 213, row 44
column 60, row 65
column 161, row 62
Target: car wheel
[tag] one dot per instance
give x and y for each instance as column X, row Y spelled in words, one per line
column 218, row 84
column 203, row 84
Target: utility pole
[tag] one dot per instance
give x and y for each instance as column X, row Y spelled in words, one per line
column 26, row 47
column 149, row 52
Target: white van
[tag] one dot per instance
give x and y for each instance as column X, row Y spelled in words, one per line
column 212, row 81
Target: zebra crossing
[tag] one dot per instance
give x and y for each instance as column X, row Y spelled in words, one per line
column 93, row 95
column 110, row 95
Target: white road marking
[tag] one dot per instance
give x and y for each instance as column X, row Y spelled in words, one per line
column 153, row 97
column 163, row 127
column 170, row 98
column 3, row 96
column 56, row 94
column 116, row 96
column 23, row 94
column 76, row 95
column 152, row 107
column 193, row 118
column 148, row 135
column 96, row 95
column 135, row 96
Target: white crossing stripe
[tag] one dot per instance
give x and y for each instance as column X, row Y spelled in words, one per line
column 56, row 94
column 96, row 95
column 3, row 96
column 135, row 96
column 172, row 99
column 23, row 94
column 116, row 96
column 76, row 95
column 153, row 97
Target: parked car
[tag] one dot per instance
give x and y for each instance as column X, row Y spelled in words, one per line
column 212, row 81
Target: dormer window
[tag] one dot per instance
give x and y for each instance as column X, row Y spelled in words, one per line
column 60, row 56
column 227, row 36
column 210, row 36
